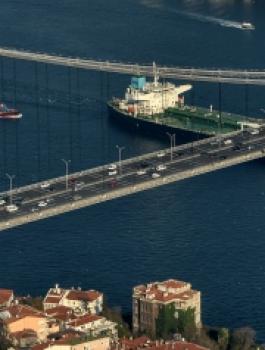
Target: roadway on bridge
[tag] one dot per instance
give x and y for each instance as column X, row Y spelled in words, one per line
column 161, row 164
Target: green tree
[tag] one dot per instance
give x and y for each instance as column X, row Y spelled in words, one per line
column 115, row 315
column 186, row 323
column 223, row 338
column 170, row 321
column 166, row 322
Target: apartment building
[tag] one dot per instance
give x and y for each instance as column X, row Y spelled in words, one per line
column 148, row 300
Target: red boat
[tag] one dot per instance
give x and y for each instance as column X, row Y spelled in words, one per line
column 9, row 113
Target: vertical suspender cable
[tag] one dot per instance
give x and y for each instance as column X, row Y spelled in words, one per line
column 48, row 117
column 220, row 105
column 38, row 118
column 246, row 100
column 18, row 121
column 79, row 118
column 70, row 122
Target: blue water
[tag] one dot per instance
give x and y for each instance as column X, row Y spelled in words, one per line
column 207, row 230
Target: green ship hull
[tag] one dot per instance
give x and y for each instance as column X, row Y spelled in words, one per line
column 188, row 123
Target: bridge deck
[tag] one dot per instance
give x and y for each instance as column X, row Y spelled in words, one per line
column 97, row 185
column 249, row 77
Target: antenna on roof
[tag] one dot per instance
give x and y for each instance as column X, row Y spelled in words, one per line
column 155, row 73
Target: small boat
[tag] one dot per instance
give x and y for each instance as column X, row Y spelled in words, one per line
column 9, row 113
column 247, row 26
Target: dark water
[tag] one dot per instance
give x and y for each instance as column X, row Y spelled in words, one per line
column 208, row 230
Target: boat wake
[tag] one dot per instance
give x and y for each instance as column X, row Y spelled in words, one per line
column 158, row 4
column 210, row 19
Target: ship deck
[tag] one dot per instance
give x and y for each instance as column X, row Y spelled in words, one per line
column 201, row 120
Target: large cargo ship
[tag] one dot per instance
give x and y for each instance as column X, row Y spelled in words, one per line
column 158, row 108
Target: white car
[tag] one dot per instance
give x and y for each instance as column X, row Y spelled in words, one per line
column 155, row 175
column 34, row 209
column 45, row 185
column 42, row 204
column 254, row 132
column 228, row 142
column 161, row 154
column 161, row 167
column 112, row 172
column 141, row 172
column 79, row 185
column 77, row 197
column 2, row 201
column 112, row 167
column 11, row 208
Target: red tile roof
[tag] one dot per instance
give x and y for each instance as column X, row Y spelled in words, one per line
column 52, row 299
column 5, row 295
column 15, row 319
column 26, row 333
column 177, row 346
column 84, row 320
column 162, row 291
column 89, row 295
column 131, row 344
column 64, row 341
column 61, row 312
column 174, row 284
column 22, row 310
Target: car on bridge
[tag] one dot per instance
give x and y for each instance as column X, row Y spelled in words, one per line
column 112, row 167
column 161, row 167
column 11, row 208
column 78, row 185
column 161, row 154
column 141, row 172
column 155, row 175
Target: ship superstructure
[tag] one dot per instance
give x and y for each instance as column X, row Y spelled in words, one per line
column 150, row 98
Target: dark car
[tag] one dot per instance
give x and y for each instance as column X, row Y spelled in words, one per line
column 17, row 201
column 144, row 165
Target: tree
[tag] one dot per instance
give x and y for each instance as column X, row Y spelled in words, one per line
column 243, row 339
column 166, row 322
column 186, row 323
column 223, row 338
column 115, row 315
column 171, row 320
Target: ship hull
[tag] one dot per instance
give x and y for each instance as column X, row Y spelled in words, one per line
column 10, row 115
column 151, row 128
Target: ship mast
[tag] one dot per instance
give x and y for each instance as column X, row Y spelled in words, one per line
column 155, row 74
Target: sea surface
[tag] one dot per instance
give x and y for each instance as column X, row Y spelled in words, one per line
column 209, row 230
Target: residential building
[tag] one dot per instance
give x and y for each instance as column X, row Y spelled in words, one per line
column 149, row 299
column 94, row 325
column 73, row 342
column 133, row 344
column 35, row 323
column 62, row 314
column 20, row 322
column 81, row 302
column 144, row 343
column 24, row 339
column 6, row 297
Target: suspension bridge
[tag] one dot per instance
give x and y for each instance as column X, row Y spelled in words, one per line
column 246, row 77
column 87, row 187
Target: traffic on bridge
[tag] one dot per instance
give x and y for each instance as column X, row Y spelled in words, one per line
column 52, row 197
